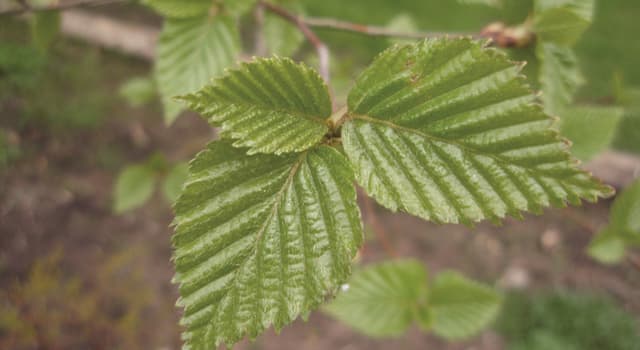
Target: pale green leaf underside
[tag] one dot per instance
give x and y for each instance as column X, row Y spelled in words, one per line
column 133, row 187
column 282, row 38
column 382, row 300
column 562, row 21
column 559, row 76
column 607, row 248
column 261, row 239
column 180, row 8
column 190, row 53
column 591, row 129
column 623, row 230
column 270, row 105
column 460, row 307
column 447, row 130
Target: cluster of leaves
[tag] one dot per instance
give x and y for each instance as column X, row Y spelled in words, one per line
column 623, row 230
column 267, row 223
column 136, row 183
column 566, row 321
column 383, row 300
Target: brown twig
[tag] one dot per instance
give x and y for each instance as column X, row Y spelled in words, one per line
column 376, row 226
column 260, row 44
column 56, row 7
column 319, row 45
column 331, row 23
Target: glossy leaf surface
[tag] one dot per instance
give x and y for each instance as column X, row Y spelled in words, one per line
column 448, row 131
column 270, row 105
column 261, row 239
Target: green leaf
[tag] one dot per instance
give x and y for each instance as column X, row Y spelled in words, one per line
column 562, row 21
column 172, row 185
column 261, row 239
column 270, row 105
column 133, row 188
column 559, row 76
column 45, row 27
column 382, row 300
column 607, row 248
column 625, row 214
column 402, row 23
column 590, row 129
column 238, row 7
column 492, row 3
column 180, row 8
column 138, row 91
column 190, row 53
column 461, row 307
column 447, row 130
column 281, row 37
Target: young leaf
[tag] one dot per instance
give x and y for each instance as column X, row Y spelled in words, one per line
column 261, row 239
column 559, row 76
column 562, row 21
column 492, row 3
column 382, row 300
column 270, row 105
column 607, row 248
column 180, row 8
column 191, row 52
column 461, row 307
column 623, row 229
column 138, row 91
column 625, row 214
column 172, row 185
column 447, row 130
column 590, row 129
column 133, row 188
column 281, row 37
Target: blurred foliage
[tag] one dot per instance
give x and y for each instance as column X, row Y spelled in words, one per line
column 566, row 321
column 138, row 91
column 35, row 82
column 9, row 148
column 51, row 310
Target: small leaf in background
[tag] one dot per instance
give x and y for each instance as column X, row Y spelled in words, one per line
column 384, row 299
column 238, row 7
column 190, row 53
column 448, row 130
column 492, row 3
column 138, row 91
column 562, row 21
column 402, row 23
column 607, row 248
column 559, row 76
column 461, row 307
column 134, row 186
column 285, row 111
column 623, row 230
column 590, row 129
column 180, row 8
column 173, row 182
column 281, row 37
column 45, row 27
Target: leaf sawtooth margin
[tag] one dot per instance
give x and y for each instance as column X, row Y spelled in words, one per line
column 270, row 105
column 261, row 239
column 448, row 130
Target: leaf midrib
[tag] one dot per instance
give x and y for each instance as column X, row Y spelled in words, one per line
column 276, row 206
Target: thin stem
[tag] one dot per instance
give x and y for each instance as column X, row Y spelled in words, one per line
column 260, row 44
column 319, row 45
column 331, row 23
column 56, row 7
